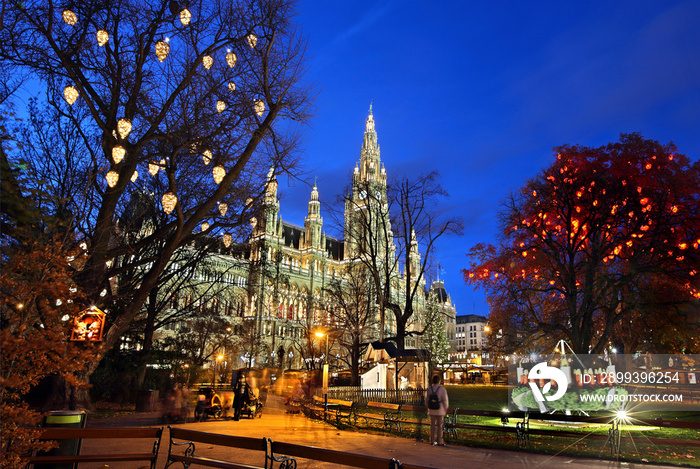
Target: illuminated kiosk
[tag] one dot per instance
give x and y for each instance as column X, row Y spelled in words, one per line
column 384, row 359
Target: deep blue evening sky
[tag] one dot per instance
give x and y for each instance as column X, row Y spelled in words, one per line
column 482, row 91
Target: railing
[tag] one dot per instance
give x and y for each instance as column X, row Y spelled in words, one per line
column 392, row 396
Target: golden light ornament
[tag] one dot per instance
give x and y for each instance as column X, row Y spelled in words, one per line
column 253, row 222
column 112, row 178
column 185, row 17
column 124, row 128
column 220, row 106
column 252, row 40
column 232, row 87
column 70, row 94
column 227, row 239
column 134, row 176
column 206, row 156
column 169, row 200
column 219, row 172
column 118, row 153
column 102, row 37
column 162, row 50
column 69, row 17
column 205, row 227
column 207, row 61
column 223, row 208
column 231, row 59
column 259, row 107
column 153, row 168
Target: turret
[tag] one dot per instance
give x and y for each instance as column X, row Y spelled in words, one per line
column 313, row 222
column 271, row 205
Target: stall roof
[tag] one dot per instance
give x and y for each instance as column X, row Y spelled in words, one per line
column 402, row 355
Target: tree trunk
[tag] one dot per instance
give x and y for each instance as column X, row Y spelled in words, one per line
column 61, row 395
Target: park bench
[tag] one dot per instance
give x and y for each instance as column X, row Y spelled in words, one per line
column 189, row 438
column 343, row 410
column 337, row 408
column 151, row 434
column 315, row 407
column 391, row 417
column 337, row 457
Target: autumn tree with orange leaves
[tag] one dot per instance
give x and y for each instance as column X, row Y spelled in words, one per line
column 602, row 249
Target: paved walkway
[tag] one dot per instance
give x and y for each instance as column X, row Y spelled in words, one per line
column 281, row 426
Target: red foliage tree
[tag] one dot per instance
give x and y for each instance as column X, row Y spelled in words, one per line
column 588, row 247
column 37, row 304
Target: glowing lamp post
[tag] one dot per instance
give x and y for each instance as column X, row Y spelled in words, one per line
column 320, row 335
column 216, row 362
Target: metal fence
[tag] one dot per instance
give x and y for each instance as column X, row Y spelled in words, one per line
column 393, row 396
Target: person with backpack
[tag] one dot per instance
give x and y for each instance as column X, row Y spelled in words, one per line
column 437, row 403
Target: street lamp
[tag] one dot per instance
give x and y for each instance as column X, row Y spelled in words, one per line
column 216, row 362
column 320, row 335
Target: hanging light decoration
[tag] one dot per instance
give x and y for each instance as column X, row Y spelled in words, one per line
column 162, row 50
column 112, row 178
column 220, row 106
column 231, row 58
column 227, row 239
column 259, row 107
column 232, row 87
column 222, row 209
column 70, row 94
column 102, row 37
column 118, row 153
column 69, row 17
column 185, row 17
column 134, row 176
column 252, row 40
column 153, row 168
column 205, row 227
column 219, row 173
column 206, row 156
column 207, row 61
column 124, row 128
column 169, row 201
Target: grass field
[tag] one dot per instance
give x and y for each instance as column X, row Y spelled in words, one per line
column 636, row 447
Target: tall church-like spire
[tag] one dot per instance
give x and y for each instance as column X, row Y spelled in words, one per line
column 314, row 221
column 370, row 167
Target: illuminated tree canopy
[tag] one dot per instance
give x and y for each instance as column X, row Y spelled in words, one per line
column 156, row 108
column 584, row 245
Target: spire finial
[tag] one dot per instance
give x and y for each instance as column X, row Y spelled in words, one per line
column 370, row 107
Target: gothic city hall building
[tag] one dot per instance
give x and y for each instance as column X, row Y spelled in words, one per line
column 270, row 296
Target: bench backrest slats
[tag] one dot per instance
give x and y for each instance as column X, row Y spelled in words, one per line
column 62, row 433
column 340, row 402
column 243, row 442
column 329, row 455
column 384, row 405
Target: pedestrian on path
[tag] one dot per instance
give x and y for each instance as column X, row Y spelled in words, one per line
column 437, row 402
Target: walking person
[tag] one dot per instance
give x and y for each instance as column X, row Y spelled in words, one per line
column 437, row 403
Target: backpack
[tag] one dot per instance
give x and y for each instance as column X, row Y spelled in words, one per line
column 433, row 400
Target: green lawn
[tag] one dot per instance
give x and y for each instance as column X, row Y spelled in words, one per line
column 477, row 397
column 637, row 448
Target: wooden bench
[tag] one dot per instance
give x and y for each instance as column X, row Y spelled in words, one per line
column 337, row 457
column 315, row 407
column 146, row 433
column 391, row 417
column 343, row 410
column 191, row 437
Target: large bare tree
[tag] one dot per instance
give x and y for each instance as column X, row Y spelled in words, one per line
column 393, row 231
column 173, row 107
